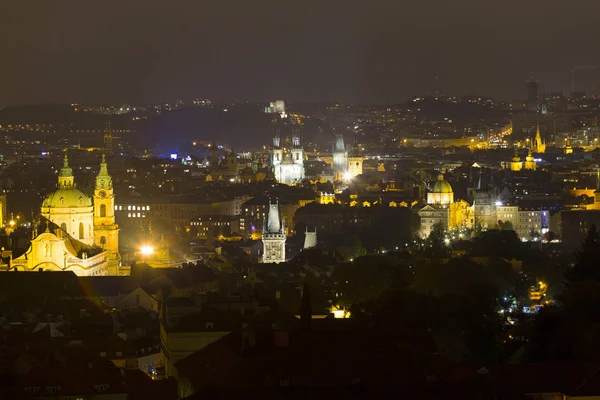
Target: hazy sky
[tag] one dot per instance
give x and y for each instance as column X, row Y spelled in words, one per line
column 353, row 51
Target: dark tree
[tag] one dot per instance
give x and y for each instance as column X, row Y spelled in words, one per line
column 305, row 309
column 435, row 245
column 587, row 259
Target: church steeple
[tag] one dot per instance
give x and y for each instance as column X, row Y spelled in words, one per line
column 106, row 231
column 103, row 179
column 65, row 177
column 108, row 137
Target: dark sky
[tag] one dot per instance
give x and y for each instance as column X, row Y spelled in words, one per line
column 352, row 51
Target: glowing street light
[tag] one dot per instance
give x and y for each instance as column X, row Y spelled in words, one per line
column 147, row 250
column 348, row 176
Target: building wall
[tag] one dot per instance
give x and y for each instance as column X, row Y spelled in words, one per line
column 431, row 217
column 70, row 218
column 508, row 214
column 355, row 165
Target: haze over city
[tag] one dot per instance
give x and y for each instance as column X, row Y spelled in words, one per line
column 342, row 51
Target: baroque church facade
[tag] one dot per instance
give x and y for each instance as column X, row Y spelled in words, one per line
column 81, row 234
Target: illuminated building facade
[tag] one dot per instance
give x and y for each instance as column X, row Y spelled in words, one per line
column 442, row 209
column 287, row 164
column 437, row 210
column 70, row 208
column 516, row 164
column 273, row 236
column 71, row 241
column 539, row 146
column 530, row 163
column 340, row 158
column 106, row 231
column 355, row 162
column 441, row 192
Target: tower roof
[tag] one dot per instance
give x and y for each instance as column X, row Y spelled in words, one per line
column 66, row 171
column 339, row 143
column 103, row 179
column 273, row 224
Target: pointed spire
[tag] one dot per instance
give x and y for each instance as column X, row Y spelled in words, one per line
column 103, row 179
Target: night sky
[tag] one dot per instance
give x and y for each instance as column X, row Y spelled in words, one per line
column 350, row 51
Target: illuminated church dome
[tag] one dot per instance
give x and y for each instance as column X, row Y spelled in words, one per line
column 442, row 192
column 67, row 198
column 70, row 208
column 442, row 186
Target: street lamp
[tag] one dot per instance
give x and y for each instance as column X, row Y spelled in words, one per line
column 147, row 250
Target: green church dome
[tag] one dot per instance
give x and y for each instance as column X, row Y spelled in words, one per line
column 441, row 186
column 67, row 198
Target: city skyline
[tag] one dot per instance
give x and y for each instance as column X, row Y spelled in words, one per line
column 348, row 52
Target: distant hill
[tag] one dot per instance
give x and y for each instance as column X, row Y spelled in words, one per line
column 250, row 129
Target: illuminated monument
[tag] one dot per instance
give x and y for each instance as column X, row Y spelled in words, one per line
column 287, row 164
column 106, row 231
column 273, row 236
column 80, row 236
column 442, row 209
column 340, row 158
column 530, row 162
column 538, row 145
column 355, row 162
column 516, row 164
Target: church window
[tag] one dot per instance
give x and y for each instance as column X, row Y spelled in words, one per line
column 102, row 210
column 129, row 215
column 139, row 215
column 81, row 230
column 129, row 208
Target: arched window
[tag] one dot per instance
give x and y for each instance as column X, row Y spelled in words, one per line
column 81, row 231
column 63, row 226
column 102, row 210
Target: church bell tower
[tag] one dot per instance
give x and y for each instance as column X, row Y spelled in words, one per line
column 106, row 231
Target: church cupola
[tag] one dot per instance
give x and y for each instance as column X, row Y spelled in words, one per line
column 103, row 179
column 65, row 177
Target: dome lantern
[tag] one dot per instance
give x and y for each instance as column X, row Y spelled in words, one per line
column 65, row 177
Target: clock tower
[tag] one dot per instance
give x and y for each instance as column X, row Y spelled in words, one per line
column 106, row 231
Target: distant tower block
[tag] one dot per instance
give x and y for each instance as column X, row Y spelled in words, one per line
column 310, row 239
column 108, row 144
